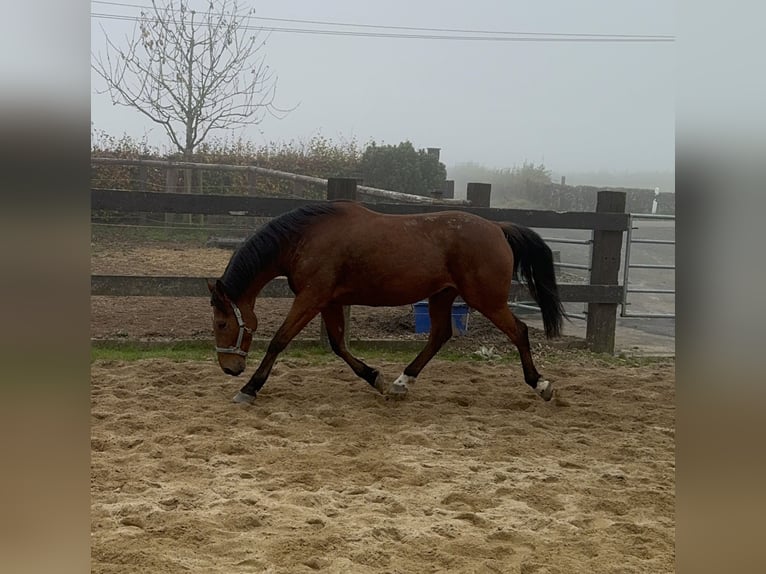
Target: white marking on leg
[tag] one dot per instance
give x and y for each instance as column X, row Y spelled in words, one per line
column 405, row 380
column 544, row 389
column 401, row 385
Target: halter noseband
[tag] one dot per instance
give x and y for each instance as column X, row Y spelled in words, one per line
column 236, row 349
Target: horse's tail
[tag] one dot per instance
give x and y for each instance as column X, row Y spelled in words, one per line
column 534, row 260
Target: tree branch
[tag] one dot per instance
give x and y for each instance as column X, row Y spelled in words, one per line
column 192, row 73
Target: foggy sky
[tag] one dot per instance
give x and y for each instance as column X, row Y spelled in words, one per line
column 571, row 106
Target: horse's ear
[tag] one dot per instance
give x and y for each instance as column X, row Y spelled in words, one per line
column 216, row 288
column 217, row 295
column 220, row 289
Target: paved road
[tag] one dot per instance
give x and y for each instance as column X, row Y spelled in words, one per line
column 653, row 326
column 634, row 336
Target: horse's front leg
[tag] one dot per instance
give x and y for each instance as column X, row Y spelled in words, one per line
column 299, row 316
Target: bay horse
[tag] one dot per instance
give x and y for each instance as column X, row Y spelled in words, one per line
column 341, row 253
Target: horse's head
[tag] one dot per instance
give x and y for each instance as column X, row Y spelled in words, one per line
column 233, row 327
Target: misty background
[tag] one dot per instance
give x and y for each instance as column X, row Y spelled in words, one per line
column 599, row 113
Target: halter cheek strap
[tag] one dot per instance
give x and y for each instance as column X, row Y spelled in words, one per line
column 237, row 348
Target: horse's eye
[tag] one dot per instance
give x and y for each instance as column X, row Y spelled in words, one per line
column 221, row 325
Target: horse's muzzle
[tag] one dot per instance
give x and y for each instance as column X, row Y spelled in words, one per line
column 232, row 372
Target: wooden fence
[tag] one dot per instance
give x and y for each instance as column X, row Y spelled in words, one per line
column 603, row 294
column 172, row 169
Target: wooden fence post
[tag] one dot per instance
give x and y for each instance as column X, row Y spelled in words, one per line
column 605, row 267
column 339, row 188
column 252, row 182
column 188, row 177
column 171, row 179
column 143, row 178
column 171, row 185
column 449, row 189
column 479, row 194
column 143, row 185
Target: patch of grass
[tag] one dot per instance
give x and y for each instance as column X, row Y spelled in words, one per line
column 585, row 357
column 399, row 352
column 136, row 350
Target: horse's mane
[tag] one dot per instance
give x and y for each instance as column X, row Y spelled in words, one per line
column 262, row 248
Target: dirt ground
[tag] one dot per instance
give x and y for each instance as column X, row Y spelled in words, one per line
column 472, row 473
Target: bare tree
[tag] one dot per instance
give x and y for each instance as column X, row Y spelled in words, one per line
column 191, row 72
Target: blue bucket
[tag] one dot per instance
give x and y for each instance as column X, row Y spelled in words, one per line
column 459, row 317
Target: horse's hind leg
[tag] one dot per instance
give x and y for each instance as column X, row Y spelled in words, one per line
column 517, row 331
column 335, row 324
column 440, row 312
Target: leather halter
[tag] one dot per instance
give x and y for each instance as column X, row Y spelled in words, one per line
column 237, row 348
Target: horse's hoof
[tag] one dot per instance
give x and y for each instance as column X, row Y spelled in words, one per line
column 397, row 391
column 380, row 384
column 544, row 388
column 243, row 398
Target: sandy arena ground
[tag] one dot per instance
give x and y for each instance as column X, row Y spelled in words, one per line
column 472, row 473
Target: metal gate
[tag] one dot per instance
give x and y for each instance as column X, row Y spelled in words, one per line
column 532, row 305
column 630, row 241
column 627, row 266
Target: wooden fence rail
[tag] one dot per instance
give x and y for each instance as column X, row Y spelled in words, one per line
column 173, row 166
column 138, row 201
column 603, row 294
column 171, row 286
